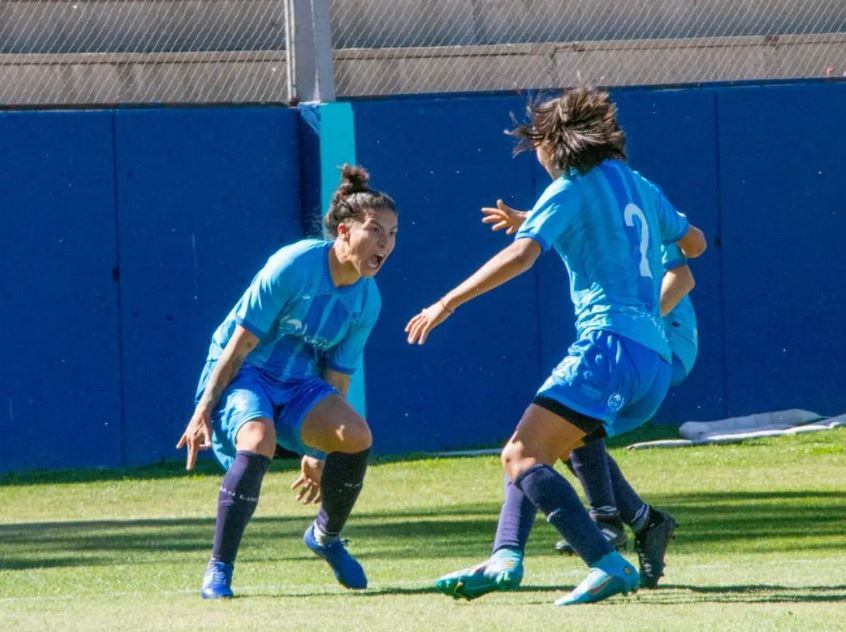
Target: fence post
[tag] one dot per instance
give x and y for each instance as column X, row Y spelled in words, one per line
column 310, row 68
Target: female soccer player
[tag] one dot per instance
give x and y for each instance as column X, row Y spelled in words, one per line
column 612, row 499
column 278, row 370
column 607, row 223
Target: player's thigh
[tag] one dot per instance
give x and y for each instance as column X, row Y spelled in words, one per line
column 333, row 426
column 541, row 437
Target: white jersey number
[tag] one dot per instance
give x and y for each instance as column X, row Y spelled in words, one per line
column 631, row 211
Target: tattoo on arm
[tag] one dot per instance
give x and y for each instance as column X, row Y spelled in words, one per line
column 225, row 370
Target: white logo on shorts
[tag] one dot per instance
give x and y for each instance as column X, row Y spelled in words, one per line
column 615, row 401
column 240, row 402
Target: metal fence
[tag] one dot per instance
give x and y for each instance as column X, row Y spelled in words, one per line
column 403, row 46
column 61, row 52
column 55, row 52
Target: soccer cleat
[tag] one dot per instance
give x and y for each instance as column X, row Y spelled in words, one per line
column 348, row 571
column 217, row 580
column 651, row 546
column 502, row 571
column 614, row 532
column 599, row 585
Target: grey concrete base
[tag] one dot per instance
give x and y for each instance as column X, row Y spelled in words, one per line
column 260, row 77
column 608, row 63
column 126, row 78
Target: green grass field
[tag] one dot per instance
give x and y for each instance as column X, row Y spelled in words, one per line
column 762, row 546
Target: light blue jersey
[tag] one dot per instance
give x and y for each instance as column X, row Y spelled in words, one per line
column 303, row 321
column 608, row 226
column 680, row 323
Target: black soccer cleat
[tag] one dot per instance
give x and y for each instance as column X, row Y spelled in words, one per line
column 651, row 546
column 613, row 531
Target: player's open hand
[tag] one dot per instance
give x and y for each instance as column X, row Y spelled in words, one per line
column 308, row 482
column 503, row 217
column 197, row 436
column 418, row 328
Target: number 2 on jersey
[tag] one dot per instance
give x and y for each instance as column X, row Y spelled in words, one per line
column 629, row 213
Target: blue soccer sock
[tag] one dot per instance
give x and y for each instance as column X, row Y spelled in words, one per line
column 515, row 520
column 239, row 494
column 343, row 478
column 590, row 464
column 555, row 497
column 633, row 510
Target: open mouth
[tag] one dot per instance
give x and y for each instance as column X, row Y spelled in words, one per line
column 375, row 262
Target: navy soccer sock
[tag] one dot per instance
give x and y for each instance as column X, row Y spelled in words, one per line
column 555, row 497
column 239, row 494
column 343, row 478
column 590, row 464
column 633, row 510
column 515, row 520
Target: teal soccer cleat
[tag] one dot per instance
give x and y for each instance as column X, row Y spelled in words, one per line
column 217, row 581
column 600, row 584
column 502, row 571
column 348, row 571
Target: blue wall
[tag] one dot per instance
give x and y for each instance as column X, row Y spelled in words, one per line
column 127, row 237
column 128, row 234
column 756, row 167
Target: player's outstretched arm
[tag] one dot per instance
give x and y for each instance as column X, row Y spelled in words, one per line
column 693, row 243
column 503, row 217
column 197, row 435
column 676, row 284
column 509, row 262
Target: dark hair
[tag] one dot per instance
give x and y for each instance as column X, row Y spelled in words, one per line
column 352, row 199
column 579, row 127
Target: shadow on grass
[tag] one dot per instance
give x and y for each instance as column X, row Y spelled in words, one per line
column 674, row 594
column 748, row 522
column 207, row 466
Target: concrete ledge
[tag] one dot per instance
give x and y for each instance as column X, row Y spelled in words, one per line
column 126, row 78
column 260, row 77
column 613, row 63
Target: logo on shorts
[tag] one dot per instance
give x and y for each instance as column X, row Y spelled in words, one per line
column 240, row 402
column 615, row 401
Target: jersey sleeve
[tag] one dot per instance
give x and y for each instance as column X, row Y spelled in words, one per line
column 551, row 216
column 673, row 224
column 344, row 357
column 672, row 257
column 271, row 289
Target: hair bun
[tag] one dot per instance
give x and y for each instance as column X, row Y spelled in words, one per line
column 353, row 179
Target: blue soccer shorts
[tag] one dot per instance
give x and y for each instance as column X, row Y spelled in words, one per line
column 252, row 395
column 611, row 382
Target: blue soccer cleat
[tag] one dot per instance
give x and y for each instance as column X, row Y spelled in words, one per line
column 217, row 580
column 601, row 584
column 503, row 571
column 348, row 571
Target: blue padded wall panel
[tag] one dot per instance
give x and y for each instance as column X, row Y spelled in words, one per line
column 672, row 141
column 443, row 159
column 60, row 379
column 205, row 197
column 782, row 187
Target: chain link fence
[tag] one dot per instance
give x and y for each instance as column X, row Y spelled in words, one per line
column 81, row 52
column 408, row 46
column 61, row 52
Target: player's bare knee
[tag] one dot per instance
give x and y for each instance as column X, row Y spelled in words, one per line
column 511, row 455
column 357, row 437
column 258, row 437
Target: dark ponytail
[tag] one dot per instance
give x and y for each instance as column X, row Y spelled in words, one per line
column 352, row 199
